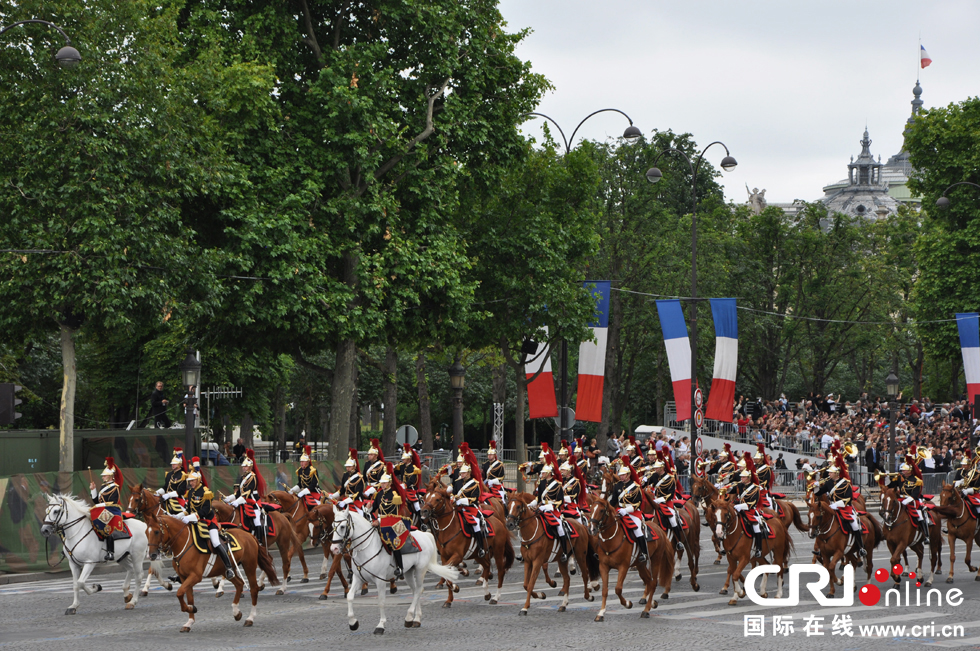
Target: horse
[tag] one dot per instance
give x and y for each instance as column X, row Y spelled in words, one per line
column 284, row 539
column 831, row 540
column 169, row 535
column 703, row 492
column 537, row 549
column 142, row 500
column 738, row 546
column 69, row 518
column 355, row 535
column 613, row 551
column 439, row 511
column 321, row 519
column 960, row 525
column 692, row 536
column 901, row 534
column 297, row 511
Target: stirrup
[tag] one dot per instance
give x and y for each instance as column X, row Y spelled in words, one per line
column 109, row 556
column 399, row 573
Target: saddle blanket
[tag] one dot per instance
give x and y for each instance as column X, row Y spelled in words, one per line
column 202, row 541
column 630, row 527
column 550, row 527
column 106, row 520
column 913, row 512
column 467, row 518
column 312, row 500
column 844, row 517
column 394, row 530
column 766, row 529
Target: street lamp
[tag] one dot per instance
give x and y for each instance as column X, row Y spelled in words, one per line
column 891, row 383
column 67, row 57
column 728, row 163
column 190, row 372
column 943, row 202
column 457, row 380
column 630, row 135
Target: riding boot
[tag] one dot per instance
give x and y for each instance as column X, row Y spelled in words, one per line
column 678, row 537
column 859, row 544
column 758, row 545
column 399, row 568
column 563, row 542
column 222, row 552
column 643, row 549
column 110, row 548
column 481, row 544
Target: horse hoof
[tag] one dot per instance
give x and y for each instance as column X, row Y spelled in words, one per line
column 288, row 579
column 262, row 587
column 186, row 629
column 408, row 623
column 629, row 604
column 248, row 623
column 764, row 595
column 128, row 598
column 573, row 571
column 455, row 588
column 280, row 591
column 98, row 587
column 379, row 631
column 599, row 618
column 733, row 602
column 539, row 595
column 590, row 598
column 655, row 604
column 354, row 626
column 723, row 591
column 741, row 594
column 218, row 595
column 696, row 587
column 393, row 589
column 130, row 606
column 561, row 593
column 363, row 591
column 561, row 609
column 678, row 577
column 665, row 596
column 71, row 611
column 927, row 584
column 976, row 578
column 718, row 562
column 416, row 624
column 643, row 601
column 448, row 604
column 523, row 613
column 143, row 593
column 949, row 580
column 322, row 597
column 323, row 576
column 553, row 584
column 304, row 580
column 493, row 602
column 170, row 586
column 486, row 597
column 193, row 610
column 238, row 616
column 644, row 615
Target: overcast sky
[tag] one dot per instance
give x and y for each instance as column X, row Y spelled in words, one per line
column 787, row 85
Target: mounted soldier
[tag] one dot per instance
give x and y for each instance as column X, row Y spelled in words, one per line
column 763, row 470
column 198, row 499
column 466, row 493
column 627, row 498
column 351, row 490
column 581, row 460
column 747, row 493
column 374, row 468
column 532, row 469
column 837, row 487
column 393, row 527
column 307, row 481
column 174, row 485
column 574, row 490
column 107, row 513
column 493, row 473
column 550, row 500
column 664, row 493
column 247, row 494
column 908, row 484
column 409, row 473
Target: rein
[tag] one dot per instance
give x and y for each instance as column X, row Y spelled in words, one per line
column 434, row 523
column 520, row 523
column 598, row 526
column 60, row 530
column 349, row 546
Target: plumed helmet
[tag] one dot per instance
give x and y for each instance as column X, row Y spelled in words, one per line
column 565, row 466
column 306, row 453
column 465, row 468
column 492, row 449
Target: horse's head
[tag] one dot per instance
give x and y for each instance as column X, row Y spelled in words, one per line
column 516, row 509
column 891, row 506
column 724, row 513
column 437, row 503
column 949, row 496
column 599, row 516
column 159, row 537
column 54, row 515
column 135, row 498
column 341, row 530
column 321, row 517
column 816, row 512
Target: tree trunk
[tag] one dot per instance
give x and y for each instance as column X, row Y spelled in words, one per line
column 610, row 386
column 519, row 423
column 247, row 431
column 281, row 418
column 342, row 395
column 917, row 371
column 66, row 457
column 425, row 412
column 390, row 383
column 354, row 418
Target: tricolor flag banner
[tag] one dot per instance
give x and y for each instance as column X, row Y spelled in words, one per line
column 924, row 59
column 541, row 401
column 722, row 397
column 592, row 357
column 678, row 353
column 969, row 326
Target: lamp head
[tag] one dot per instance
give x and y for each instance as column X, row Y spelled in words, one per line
column 942, row 203
column 728, row 163
column 632, row 134
column 654, row 174
column 68, row 57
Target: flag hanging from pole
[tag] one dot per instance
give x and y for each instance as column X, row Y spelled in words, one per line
column 722, row 397
column 969, row 327
column 592, row 357
column 541, row 400
column 678, row 346
column 924, row 59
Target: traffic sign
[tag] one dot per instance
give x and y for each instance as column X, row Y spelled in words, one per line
column 698, row 469
column 698, row 419
column 406, row 434
column 698, row 447
column 569, row 418
column 698, row 398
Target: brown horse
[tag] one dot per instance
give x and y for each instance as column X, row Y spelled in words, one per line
column 537, row 549
column 703, row 492
column 901, row 534
column 296, row 510
column 284, row 539
column 439, row 512
column 171, row 536
column 738, row 546
column 689, row 513
column 831, row 540
column 616, row 550
column 141, row 502
column 321, row 517
column 960, row 525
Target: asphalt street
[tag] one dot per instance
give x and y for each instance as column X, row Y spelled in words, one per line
column 32, row 617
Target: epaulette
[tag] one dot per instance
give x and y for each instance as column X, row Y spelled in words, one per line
column 415, row 470
column 918, row 482
column 208, row 494
column 312, row 470
column 396, row 499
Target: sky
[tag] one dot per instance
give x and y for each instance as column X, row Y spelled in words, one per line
column 787, row 85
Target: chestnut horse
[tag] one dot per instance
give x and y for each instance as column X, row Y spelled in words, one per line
column 901, row 534
column 537, row 549
column 960, row 525
column 297, row 511
column 439, row 512
column 832, row 541
column 703, row 492
column 171, row 536
column 143, row 500
column 738, row 546
column 616, row 550
column 284, row 539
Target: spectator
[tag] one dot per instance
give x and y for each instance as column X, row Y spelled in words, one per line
column 612, row 448
column 299, row 445
column 158, row 407
column 239, row 450
column 780, row 462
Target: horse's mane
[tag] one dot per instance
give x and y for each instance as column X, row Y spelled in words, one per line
column 70, row 499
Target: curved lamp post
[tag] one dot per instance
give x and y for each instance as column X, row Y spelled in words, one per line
column 67, row 57
column 190, row 373
column 630, row 135
column 728, row 163
column 457, row 380
column 943, row 202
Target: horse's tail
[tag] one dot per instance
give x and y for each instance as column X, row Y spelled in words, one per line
column 266, row 565
column 451, row 574
column 509, row 554
column 592, row 559
column 797, row 518
column 879, row 535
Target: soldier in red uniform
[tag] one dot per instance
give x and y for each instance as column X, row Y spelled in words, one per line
column 107, row 512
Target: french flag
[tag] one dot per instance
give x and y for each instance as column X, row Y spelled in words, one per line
column 924, row 59
column 678, row 354
column 541, row 401
column 722, row 396
column 592, row 357
column 969, row 327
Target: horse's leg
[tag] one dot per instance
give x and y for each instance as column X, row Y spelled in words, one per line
column 73, row 608
column 831, row 565
column 219, row 585
column 83, row 579
column 352, row 590
column 286, row 553
column 185, row 597
column 649, row 588
column 298, row 546
column 253, row 587
column 532, row 578
column 547, row 577
column 738, row 589
column 581, row 558
column 453, row 561
column 621, row 573
column 897, row 554
column 500, row 558
column 693, row 558
column 604, row 573
column 951, row 541
column 136, row 567
column 413, row 615
column 326, row 561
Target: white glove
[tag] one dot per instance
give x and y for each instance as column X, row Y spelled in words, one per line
column 968, row 491
column 344, row 502
column 159, row 491
column 294, row 489
column 659, row 500
column 191, row 518
column 568, row 500
column 493, row 482
column 303, row 493
column 95, row 493
column 227, row 499
column 957, row 483
column 238, row 502
column 370, row 491
column 741, row 507
column 547, row 508
column 907, row 501
column 625, row 510
column 839, row 504
column 533, row 504
column 170, row 495
column 462, row 502
column 334, row 496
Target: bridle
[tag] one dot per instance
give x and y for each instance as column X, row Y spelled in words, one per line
column 887, row 519
column 963, row 516
column 598, row 524
column 167, row 547
column 817, row 521
column 348, row 544
column 730, row 517
column 60, row 530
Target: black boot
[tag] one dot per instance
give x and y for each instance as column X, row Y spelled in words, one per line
column 481, row 543
column 222, row 553
column 678, row 537
column 110, row 548
column 643, row 549
column 399, row 571
column 563, row 542
column 758, row 545
column 859, row 544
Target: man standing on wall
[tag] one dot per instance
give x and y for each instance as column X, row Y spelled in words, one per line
column 158, row 407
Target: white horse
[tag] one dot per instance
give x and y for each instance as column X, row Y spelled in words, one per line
column 354, row 534
column 70, row 518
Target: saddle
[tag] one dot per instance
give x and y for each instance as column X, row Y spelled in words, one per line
column 551, row 530
column 913, row 512
column 630, row 528
column 116, row 533
column 974, row 502
column 202, row 541
column 312, row 500
column 468, row 517
column 269, row 507
column 750, row 517
column 846, row 515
